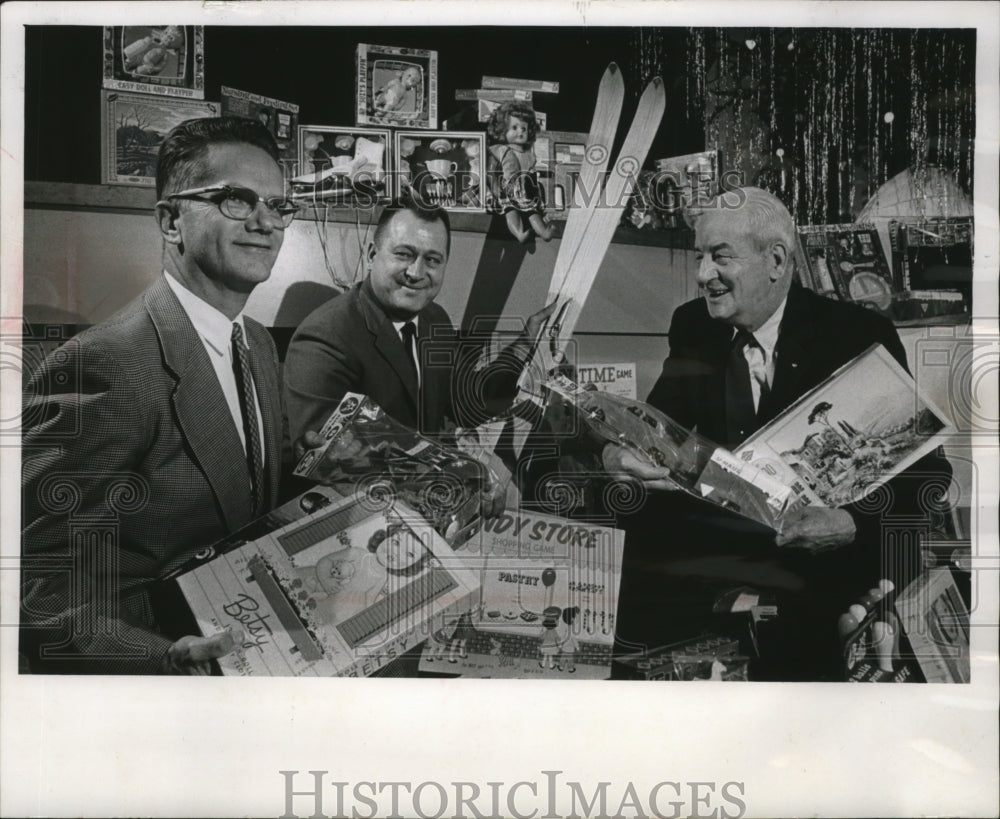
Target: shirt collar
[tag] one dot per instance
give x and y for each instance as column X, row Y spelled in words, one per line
column 767, row 334
column 212, row 325
column 399, row 325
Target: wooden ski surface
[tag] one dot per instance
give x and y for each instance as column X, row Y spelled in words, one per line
column 600, row 229
column 600, row 141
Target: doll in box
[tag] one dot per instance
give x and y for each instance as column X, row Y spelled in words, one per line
column 514, row 184
column 148, row 56
column 399, row 94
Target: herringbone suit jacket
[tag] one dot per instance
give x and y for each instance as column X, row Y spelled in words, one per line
column 131, row 462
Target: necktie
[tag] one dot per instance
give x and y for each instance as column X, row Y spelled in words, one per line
column 741, row 414
column 408, row 333
column 754, row 354
column 251, row 431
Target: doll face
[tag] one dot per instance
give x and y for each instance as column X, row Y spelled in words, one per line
column 411, row 78
column 517, row 131
column 171, row 37
column 400, row 550
column 332, row 573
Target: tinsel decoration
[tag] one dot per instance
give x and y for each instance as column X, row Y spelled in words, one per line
column 647, row 47
column 846, row 108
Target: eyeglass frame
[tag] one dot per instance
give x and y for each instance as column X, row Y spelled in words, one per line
column 229, row 190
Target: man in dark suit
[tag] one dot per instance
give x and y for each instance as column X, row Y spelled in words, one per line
column 388, row 339
column 752, row 345
column 158, row 431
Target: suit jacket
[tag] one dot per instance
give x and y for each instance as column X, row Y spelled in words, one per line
column 681, row 553
column 349, row 344
column 131, row 463
column 817, row 336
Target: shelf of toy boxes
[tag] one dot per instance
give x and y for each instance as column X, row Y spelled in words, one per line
column 127, row 199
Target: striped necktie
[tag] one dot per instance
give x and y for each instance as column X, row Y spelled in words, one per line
column 248, row 406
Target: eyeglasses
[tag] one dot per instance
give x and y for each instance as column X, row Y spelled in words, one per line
column 239, row 203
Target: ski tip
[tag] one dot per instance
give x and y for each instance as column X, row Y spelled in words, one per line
column 656, row 82
column 613, row 68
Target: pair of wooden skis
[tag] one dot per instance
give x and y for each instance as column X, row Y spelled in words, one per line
column 600, row 201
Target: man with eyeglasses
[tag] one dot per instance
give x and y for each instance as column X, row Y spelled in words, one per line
column 159, row 430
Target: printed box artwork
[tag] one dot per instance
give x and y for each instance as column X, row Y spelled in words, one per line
column 168, row 60
column 347, row 167
column 697, row 466
column 511, row 83
column 681, row 181
column 936, row 623
column 443, row 169
column 559, row 158
column 397, row 86
column 341, row 592
column 547, row 601
column 377, row 457
column 134, row 126
column 861, row 426
column 706, row 657
column 280, row 118
column 848, row 261
column 617, row 379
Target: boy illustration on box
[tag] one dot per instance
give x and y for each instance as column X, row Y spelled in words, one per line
column 511, row 133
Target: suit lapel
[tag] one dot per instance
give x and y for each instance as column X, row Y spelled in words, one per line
column 792, row 355
column 200, row 407
column 387, row 342
column 718, row 340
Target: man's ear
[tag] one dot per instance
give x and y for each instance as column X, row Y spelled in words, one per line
column 370, row 252
column 166, row 220
column 780, row 259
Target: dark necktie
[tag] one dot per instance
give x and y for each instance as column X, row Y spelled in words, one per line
column 248, row 407
column 408, row 332
column 741, row 415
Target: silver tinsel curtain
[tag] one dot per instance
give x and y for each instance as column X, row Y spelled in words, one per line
column 823, row 117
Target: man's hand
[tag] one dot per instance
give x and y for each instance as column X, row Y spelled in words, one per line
column 816, row 529
column 192, row 655
column 345, row 449
column 534, row 322
column 622, row 464
column 493, row 498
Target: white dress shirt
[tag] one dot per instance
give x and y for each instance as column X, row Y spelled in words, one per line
column 767, row 337
column 216, row 333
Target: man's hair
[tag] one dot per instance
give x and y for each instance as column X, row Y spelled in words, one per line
column 424, row 213
column 181, row 163
column 766, row 218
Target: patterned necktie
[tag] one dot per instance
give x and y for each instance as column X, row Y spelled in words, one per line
column 758, row 367
column 741, row 414
column 251, row 431
column 408, row 332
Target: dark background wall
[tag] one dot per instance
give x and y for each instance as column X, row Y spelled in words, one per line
column 314, row 67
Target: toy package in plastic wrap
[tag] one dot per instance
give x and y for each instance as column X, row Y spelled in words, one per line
column 367, row 454
column 697, row 466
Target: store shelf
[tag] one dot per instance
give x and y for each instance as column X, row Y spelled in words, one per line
column 128, row 199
